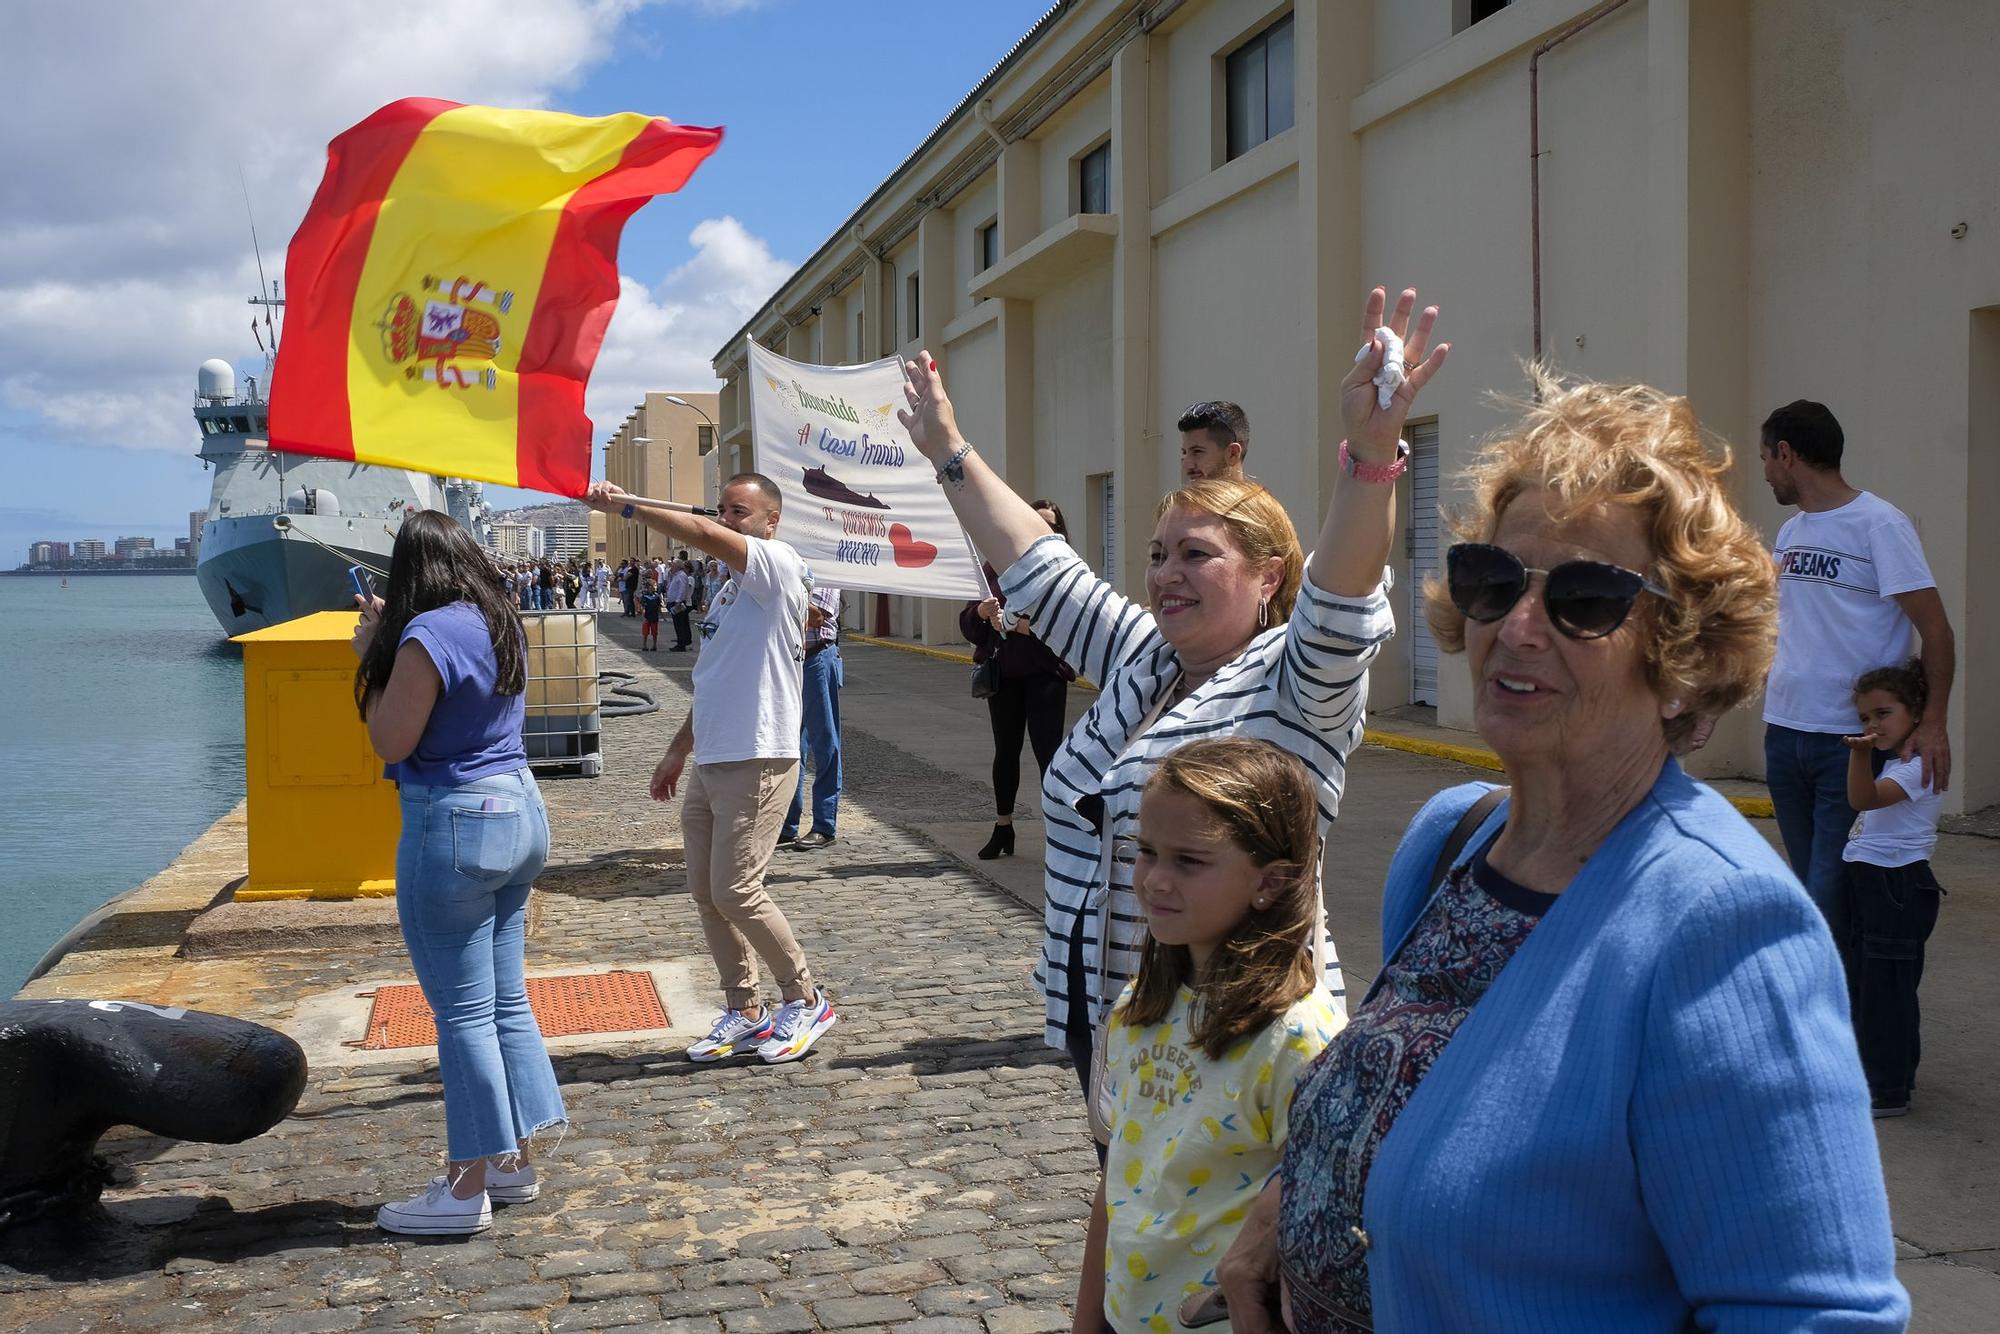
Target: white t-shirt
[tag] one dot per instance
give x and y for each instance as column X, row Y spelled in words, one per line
column 747, row 702
column 1903, row 833
column 1839, row 572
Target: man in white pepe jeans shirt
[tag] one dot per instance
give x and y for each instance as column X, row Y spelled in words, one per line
column 1854, row 590
column 743, row 733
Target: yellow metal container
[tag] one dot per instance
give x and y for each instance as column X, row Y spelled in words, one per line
column 323, row 819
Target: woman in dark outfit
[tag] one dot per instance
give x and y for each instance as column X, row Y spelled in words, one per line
column 1033, row 695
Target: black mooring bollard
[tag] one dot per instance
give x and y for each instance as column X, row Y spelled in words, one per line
column 72, row 1069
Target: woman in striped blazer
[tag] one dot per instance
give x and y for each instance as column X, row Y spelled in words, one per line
column 1245, row 637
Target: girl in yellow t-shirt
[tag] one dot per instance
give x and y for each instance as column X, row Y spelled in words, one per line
column 1203, row 1050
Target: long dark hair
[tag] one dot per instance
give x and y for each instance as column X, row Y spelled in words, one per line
column 1062, row 524
column 1265, row 799
column 436, row 563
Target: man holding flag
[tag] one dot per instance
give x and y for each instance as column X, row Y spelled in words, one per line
column 743, row 735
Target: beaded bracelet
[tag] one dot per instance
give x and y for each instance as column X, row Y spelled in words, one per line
column 1375, row 472
column 951, row 466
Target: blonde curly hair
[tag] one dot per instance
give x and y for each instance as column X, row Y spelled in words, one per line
column 1586, row 445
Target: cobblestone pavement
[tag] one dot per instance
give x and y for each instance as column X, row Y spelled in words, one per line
column 927, row 1167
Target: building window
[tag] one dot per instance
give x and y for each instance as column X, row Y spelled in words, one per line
column 1257, row 89
column 912, row 329
column 1465, row 13
column 1093, row 180
column 704, row 438
column 986, row 242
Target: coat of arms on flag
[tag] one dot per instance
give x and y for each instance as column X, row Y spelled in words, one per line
column 452, row 281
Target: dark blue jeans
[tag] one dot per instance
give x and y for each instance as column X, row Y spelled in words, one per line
column 820, row 737
column 1807, row 775
column 1894, row 909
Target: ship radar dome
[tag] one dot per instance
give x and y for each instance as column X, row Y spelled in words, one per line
column 215, row 380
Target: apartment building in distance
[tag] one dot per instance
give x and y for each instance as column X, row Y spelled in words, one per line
column 665, row 449
column 519, row 541
column 1151, row 202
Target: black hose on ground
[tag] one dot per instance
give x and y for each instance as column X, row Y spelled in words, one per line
column 618, row 685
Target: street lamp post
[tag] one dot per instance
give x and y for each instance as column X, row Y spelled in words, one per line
column 678, row 401
column 644, row 485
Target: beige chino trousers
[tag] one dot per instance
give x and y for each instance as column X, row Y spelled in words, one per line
column 730, row 821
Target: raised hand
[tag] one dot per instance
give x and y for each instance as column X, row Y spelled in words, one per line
column 1866, row 741
column 1372, row 430
column 932, row 424
column 606, row 496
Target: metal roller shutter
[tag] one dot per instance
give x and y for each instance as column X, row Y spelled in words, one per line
column 1425, row 528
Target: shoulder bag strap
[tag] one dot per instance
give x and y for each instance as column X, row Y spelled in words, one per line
column 1461, row 834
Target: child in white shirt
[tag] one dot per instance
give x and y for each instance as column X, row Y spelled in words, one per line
column 1204, row 1048
column 1892, row 895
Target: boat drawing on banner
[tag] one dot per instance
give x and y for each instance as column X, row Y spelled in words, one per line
column 819, row 482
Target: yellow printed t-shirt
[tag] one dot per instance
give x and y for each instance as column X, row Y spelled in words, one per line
column 1193, row 1141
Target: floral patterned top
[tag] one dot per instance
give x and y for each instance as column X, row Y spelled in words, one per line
column 1349, row 1098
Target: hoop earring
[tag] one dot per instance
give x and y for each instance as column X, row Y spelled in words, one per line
column 1263, row 613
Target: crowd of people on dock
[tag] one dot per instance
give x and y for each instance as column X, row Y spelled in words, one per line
column 1619, row 1066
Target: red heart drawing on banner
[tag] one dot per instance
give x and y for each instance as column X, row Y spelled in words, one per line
column 910, row 553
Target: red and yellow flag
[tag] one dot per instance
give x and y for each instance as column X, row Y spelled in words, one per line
column 452, row 281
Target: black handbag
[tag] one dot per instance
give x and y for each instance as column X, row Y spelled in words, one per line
column 986, row 678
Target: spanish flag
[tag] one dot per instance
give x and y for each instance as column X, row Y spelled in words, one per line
column 452, row 281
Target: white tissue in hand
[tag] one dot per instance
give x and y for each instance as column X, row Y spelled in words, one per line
column 1389, row 378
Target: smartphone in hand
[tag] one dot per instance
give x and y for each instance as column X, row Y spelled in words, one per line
column 359, row 578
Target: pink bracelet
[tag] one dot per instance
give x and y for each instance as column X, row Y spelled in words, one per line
column 1376, row 472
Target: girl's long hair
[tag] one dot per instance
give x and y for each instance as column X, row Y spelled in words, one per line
column 1264, row 799
column 434, row 564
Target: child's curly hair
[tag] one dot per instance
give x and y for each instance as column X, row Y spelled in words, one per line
column 1907, row 684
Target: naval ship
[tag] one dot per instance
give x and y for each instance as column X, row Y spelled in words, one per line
column 283, row 528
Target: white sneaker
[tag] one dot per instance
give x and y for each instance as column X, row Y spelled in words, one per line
column 516, row 1187
column 437, row 1213
column 797, row 1026
column 735, row 1031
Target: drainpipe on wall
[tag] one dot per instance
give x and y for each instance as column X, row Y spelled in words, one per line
column 1535, row 148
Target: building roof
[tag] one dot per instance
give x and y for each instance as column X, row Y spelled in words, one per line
column 840, row 233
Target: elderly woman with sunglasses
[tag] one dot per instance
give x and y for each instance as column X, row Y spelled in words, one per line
column 1605, row 1080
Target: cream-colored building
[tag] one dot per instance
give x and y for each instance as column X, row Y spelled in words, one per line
column 1151, row 202
column 660, row 450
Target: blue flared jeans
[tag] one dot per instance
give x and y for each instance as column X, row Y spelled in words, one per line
column 467, row 857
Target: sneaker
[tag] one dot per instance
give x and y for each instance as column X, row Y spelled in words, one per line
column 437, row 1213
column 797, row 1027
column 517, row 1187
column 812, row 842
column 1886, row 1107
column 734, row 1031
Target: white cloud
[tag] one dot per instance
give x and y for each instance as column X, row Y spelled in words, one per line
column 661, row 339
column 125, row 257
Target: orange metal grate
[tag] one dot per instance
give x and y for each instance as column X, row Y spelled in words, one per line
column 611, row 1002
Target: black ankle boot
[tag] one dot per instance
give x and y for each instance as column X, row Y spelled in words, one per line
column 1000, row 845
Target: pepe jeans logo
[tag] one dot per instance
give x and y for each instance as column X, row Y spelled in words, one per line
column 444, row 340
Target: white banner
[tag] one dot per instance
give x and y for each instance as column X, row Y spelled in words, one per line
column 861, row 504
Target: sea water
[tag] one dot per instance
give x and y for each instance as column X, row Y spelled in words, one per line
column 121, row 740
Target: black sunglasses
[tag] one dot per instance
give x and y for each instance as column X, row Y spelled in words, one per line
column 1586, row 599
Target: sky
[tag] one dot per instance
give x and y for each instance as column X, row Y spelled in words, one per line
column 125, row 250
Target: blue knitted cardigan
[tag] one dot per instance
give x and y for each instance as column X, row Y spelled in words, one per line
column 1655, row 1119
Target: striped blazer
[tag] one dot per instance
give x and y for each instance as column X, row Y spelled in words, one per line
column 1302, row 686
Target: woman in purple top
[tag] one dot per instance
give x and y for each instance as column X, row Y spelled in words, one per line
column 441, row 686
